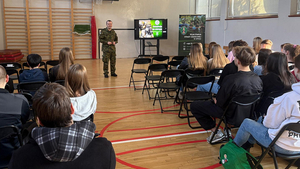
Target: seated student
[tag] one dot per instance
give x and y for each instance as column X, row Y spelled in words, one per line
column 58, row 142
column 34, row 74
column 218, row 60
column 277, row 79
column 241, row 83
column 14, row 110
column 236, row 43
column 256, row 44
column 83, row 98
column 284, row 110
column 59, row 71
column 266, row 44
column 262, row 59
column 290, row 51
column 282, row 45
column 195, row 61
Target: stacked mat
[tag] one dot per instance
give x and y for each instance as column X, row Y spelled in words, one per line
column 10, row 55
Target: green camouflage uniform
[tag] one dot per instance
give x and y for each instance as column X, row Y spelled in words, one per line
column 109, row 51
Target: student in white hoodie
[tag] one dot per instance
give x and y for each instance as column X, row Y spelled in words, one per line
column 284, row 110
column 83, row 99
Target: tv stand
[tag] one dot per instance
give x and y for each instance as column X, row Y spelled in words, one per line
column 149, row 44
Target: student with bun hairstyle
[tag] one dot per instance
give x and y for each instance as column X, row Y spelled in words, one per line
column 83, row 98
column 59, row 71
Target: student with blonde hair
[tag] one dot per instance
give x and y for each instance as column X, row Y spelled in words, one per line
column 256, row 44
column 218, row 59
column 83, row 98
column 59, row 71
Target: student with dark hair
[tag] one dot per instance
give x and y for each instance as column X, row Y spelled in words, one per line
column 277, row 79
column 262, row 59
column 284, row 110
column 14, row 110
column 241, row 83
column 34, row 74
column 282, row 45
column 58, row 142
column 236, row 43
column 290, row 51
column 83, row 98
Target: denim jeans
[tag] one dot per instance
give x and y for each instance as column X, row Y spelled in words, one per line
column 206, row 87
column 253, row 131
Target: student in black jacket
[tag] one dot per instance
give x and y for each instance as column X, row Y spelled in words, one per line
column 59, row 143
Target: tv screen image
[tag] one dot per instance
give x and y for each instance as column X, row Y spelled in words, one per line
column 150, row 28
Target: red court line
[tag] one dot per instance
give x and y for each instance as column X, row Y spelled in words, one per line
column 213, row 166
column 160, row 146
column 129, row 165
column 139, row 111
column 157, row 135
column 145, row 128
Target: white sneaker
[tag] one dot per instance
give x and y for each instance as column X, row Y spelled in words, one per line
column 229, row 132
column 218, row 137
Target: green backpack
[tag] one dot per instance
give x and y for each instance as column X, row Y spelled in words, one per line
column 235, row 157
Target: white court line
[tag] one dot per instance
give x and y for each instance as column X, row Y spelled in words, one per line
column 152, row 138
column 116, row 87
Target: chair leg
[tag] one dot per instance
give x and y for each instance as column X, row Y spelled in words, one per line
column 130, row 79
column 189, row 122
column 156, row 93
column 180, row 109
column 274, row 158
column 291, row 163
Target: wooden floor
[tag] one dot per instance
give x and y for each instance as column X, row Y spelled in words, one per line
column 143, row 137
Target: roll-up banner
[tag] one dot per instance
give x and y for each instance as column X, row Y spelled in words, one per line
column 191, row 30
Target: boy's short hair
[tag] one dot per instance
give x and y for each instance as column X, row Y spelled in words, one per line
column 34, row 60
column 246, row 56
column 240, row 43
column 2, row 74
column 52, row 105
column 267, row 42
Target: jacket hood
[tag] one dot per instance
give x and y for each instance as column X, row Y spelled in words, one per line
column 84, row 105
column 64, row 144
column 36, row 74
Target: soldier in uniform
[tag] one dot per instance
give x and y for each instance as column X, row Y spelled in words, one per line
column 109, row 39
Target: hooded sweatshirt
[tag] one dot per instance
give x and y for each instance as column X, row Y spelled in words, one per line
column 33, row 75
column 84, row 105
column 63, row 144
column 284, row 110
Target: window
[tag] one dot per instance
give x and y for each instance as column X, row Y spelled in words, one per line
column 298, row 7
column 252, row 8
column 212, row 8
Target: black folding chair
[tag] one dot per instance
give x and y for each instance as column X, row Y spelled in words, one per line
column 11, row 130
column 173, row 64
column 138, row 63
column 192, row 95
column 216, row 72
column 239, row 108
column 12, row 70
column 51, row 63
column 291, row 128
column 167, row 83
column 61, row 82
column 152, row 77
column 30, row 87
column 160, row 59
column 178, row 58
column 25, row 65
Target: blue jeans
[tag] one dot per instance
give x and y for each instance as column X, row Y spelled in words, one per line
column 253, row 131
column 206, row 87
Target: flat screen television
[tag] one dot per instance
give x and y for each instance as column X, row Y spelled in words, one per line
column 150, row 29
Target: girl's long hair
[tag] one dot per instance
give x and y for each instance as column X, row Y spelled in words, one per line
column 65, row 61
column 197, row 60
column 77, row 81
column 219, row 59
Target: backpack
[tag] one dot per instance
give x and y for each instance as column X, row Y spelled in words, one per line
column 234, row 157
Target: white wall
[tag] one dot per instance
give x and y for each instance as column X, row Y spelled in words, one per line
column 279, row 30
column 123, row 13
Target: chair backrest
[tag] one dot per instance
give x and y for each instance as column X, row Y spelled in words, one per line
column 178, row 58
column 7, row 131
column 193, row 73
column 160, row 59
column 28, row 87
column 171, row 73
column 10, row 86
column 61, row 82
column 174, row 63
column 142, row 61
column 200, row 80
column 11, row 66
column 157, row 67
column 216, row 72
column 241, row 107
column 51, row 63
